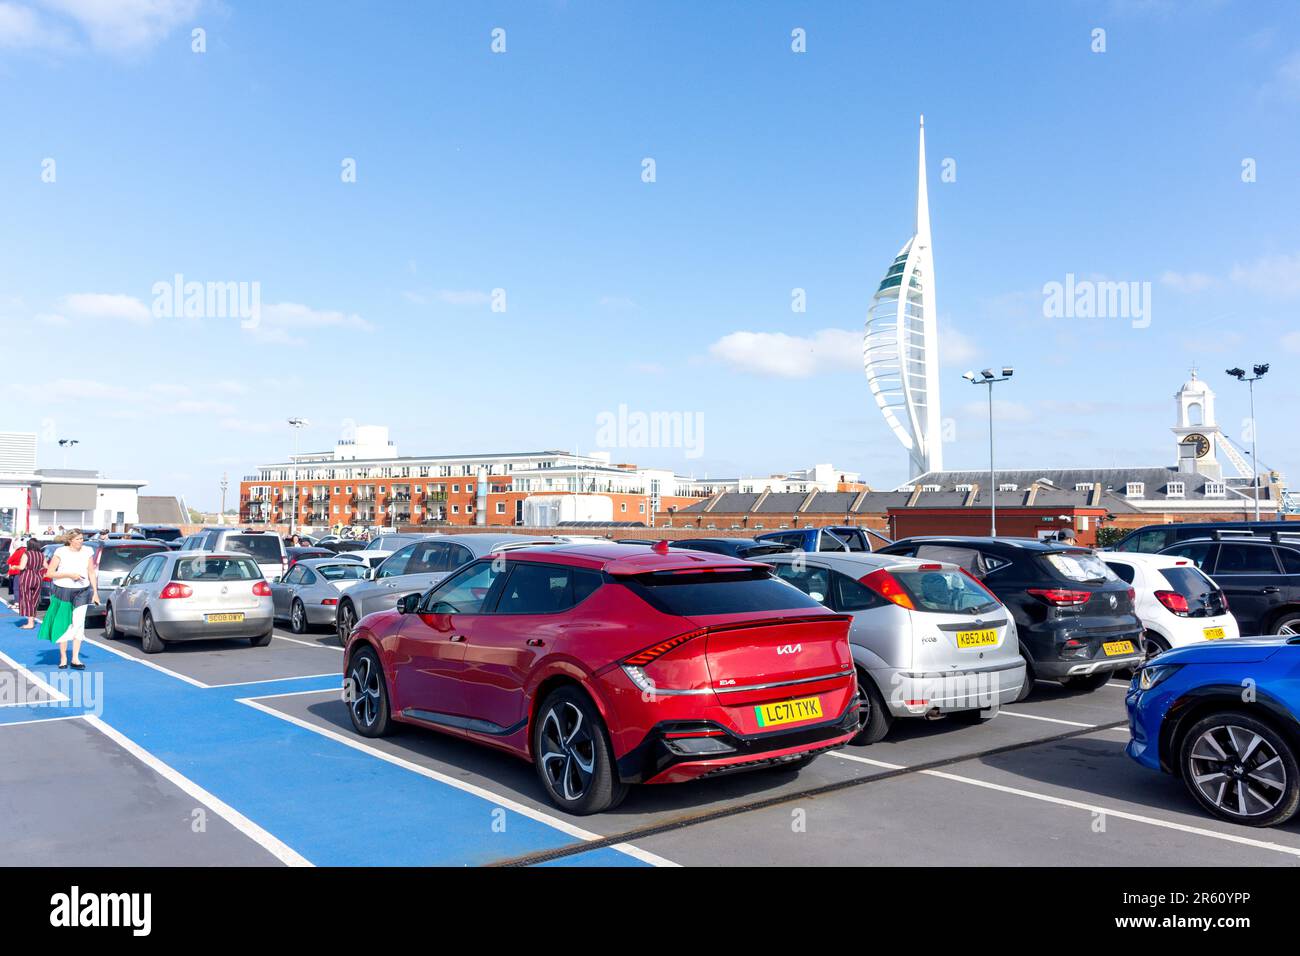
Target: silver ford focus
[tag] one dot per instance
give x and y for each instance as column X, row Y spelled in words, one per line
column 928, row 639
column 191, row 595
column 309, row 594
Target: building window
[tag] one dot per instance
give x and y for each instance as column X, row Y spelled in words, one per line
column 932, row 488
column 965, row 487
column 1135, row 489
column 455, row 488
column 1008, row 487
column 1214, row 489
column 642, row 508
column 623, row 506
column 1176, row 490
column 455, row 509
column 1083, row 486
column 501, row 507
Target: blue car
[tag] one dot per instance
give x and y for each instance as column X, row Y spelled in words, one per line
column 1225, row 717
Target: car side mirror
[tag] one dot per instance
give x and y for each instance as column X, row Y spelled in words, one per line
column 408, row 603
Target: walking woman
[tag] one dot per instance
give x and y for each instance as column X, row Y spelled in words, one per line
column 27, row 582
column 73, row 589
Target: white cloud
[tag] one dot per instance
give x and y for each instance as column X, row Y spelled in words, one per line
column 955, row 348
column 280, row 320
column 124, row 26
column 1277, row 276
column 1187, row 282
column 790, row 356
column 1285, row 82
column 52, row 318
column 22, row 28
column 618, row 303
column 108, row 307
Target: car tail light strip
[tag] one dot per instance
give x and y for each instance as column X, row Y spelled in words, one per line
column 887, row 586
column 1061, row 597
column 650, row 653
column 1173, row 601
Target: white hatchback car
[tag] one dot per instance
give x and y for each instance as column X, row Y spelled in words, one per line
column 1176, row 602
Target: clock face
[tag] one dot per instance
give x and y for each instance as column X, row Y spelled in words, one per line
column 1200, row 441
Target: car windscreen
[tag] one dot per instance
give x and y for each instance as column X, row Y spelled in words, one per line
column 718, row 592
column 264, row 548
column 163, row 534
column 124, row 559
column 1082, row 567
column 352, row 571
column 216, row 569
column 944, row 592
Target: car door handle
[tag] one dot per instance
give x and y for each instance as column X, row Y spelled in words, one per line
column 535, row 642
column 457, row 637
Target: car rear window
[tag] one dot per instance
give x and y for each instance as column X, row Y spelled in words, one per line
column 216, row 569
column 1188, row 581
column 263, row 547
column 944, row 592
column 352, row 571
column 718, row 592
column 124, row 559
column 1083, row 567
column 163, row 534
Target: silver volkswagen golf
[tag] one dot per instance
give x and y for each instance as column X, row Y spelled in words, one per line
column 927, row 638
column 191, row 595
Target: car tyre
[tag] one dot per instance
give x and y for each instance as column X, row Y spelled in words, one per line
column 874, row 718
column 262, row 640
column 344, row 621
column 1027, row 687
column 111, row 633
column 297, row 617
column 150, row 642
column 368, row 702
column 1288, row 625
column 1261, row 790
column 1153, row 644
column 572, row 755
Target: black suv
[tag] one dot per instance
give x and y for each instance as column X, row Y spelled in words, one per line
column 1073, row 616
column 1154, row 538
column 1260, row 577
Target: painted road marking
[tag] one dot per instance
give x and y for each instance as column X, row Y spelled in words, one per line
column 294, row 640
column 562, row 825
column 1050, row 720
column 277, row 848
column 32, row 678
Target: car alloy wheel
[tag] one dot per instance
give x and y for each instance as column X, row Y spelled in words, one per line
column 347, row 620
column 1241, row 770
column 1288, row 626
column 297, row 617
column 568, row 755
column 368, row 695
column 110, row 626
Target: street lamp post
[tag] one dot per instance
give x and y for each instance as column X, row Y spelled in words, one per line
column 65, row 444
column 1240, row 375
column 225, row 483
column 990, row 378
column 297, row 424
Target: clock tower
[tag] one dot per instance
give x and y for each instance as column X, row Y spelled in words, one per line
column 1197, row 430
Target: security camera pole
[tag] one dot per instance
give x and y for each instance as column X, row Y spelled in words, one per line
column 1240, row 375
column 990, row 378
column 296, row 424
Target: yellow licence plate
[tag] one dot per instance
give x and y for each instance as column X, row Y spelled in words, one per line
column 788, row 711
column 1115, row 648
column 231, row 618
column 1214, row 634
column 977, row 638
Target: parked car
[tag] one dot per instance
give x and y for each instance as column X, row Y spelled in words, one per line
column 114, row 560
column 340, row 545
column 309, row 594
column 828, row 539
column 1236, row 753
column 295, row 554
column 735, row 547
column 192, row 595
column 419, row 566
column 1154, row 538
column 160, row 532
column 1259, row 575
column 264, row 547
column 1176, row 603
column 1074, row 617
column 927, row 639
column 608, row 665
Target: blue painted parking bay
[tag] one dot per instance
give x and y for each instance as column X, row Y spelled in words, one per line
column 331, row 803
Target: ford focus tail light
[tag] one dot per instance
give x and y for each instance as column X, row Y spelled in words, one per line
column 888, row 587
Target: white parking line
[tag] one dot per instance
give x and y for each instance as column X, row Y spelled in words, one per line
column 277, row 680
column 277, row 848
column 1050, row 720
column 40, row 720
column 496, row 799
column 139, row 660
column 34, row 679
column 294, row 640
column 1079, row 805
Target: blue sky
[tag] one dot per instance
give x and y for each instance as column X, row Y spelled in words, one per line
column 522, row 171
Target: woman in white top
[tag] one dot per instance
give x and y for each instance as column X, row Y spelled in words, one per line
column 73, row 588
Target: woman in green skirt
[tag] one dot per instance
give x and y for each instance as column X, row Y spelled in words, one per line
column 73, row 588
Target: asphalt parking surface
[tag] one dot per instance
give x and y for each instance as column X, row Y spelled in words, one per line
column 217, row 753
